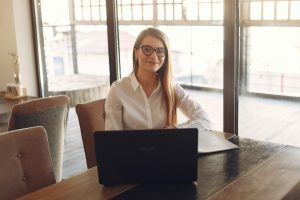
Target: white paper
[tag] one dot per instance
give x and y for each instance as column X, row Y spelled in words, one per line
column 211, row 141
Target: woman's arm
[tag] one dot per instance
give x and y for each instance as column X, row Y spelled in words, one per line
column 197, row 117
column 113, row 110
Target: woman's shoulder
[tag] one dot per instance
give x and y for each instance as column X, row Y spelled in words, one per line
column 177, row 87
column 122, row 82
column 179, row 91
column 118, row 87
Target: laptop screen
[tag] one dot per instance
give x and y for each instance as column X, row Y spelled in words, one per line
column 147, row 156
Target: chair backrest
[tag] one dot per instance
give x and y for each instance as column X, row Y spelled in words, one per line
column 25, row 162
column 91, row 116
column 51, row 113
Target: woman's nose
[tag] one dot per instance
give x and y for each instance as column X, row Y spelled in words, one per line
column 154, row 54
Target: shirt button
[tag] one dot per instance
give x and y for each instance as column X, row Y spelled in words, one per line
column 18, row 155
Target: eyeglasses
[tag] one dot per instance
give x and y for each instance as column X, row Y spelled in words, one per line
column 148, row 50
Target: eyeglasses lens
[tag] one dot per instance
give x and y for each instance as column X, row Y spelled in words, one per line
column 147, row 50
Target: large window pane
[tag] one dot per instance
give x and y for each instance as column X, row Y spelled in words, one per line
column 274, row 70
column 282, row 10
column 269, row 103
column 255, row 10
column 295, row 7
column 91, row 41
column 76, row 56
column 269, row 10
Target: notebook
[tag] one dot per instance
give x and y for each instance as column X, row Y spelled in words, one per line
column 211, row 141
column 147, row 156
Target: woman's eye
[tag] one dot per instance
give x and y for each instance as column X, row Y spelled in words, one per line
column 147, row 49
column 160, row 51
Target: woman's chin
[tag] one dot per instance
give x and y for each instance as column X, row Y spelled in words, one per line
column 154, row 68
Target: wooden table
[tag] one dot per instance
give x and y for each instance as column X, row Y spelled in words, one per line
column 257, row 170
column 83, row 186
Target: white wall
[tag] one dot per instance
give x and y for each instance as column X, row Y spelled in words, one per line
column 16, row 36
column 7, row 42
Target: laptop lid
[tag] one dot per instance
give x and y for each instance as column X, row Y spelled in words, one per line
column 147, row 156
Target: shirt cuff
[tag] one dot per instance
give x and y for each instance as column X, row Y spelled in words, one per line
column 180, row 126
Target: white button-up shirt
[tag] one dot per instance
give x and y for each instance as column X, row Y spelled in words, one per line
column 128, row 107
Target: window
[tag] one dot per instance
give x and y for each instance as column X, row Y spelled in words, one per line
column 270, row 70
column 269, row 49
column 74, row 49
column 196, row 37
column 89, row 10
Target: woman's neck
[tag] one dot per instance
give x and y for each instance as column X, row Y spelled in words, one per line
column 148, row 81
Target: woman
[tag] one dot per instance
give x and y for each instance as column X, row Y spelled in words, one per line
column 148, row 98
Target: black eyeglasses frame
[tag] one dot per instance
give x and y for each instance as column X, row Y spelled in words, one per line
column 157, row 54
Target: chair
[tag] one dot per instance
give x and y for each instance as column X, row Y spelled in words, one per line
column 25, row 162
column 91, row 117
column 51, row 113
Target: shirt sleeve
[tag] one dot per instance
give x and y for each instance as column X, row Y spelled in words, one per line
column 197, row 117
column 113, row 110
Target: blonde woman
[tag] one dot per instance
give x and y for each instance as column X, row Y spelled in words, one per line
column 148, row 98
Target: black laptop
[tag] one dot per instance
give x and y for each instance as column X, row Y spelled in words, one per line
column 147, row 156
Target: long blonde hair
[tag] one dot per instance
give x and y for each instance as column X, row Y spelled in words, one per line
column 165, row 72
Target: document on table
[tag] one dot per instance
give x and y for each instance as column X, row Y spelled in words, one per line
column 210, row 141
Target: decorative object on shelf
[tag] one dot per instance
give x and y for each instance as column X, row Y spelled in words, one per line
column 15, row 90
column 16, row 66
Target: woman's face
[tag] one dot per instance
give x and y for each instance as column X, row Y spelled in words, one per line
column 150, row 63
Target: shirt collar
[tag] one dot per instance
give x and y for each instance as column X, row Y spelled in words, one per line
column 135, row 83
